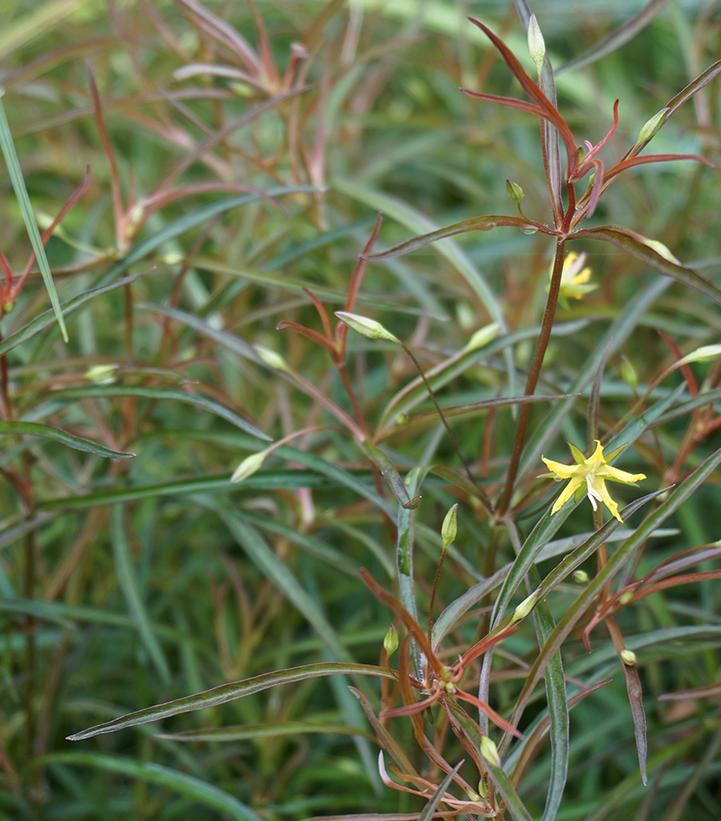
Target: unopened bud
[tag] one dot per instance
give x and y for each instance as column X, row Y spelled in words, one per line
column 249, row 466
column 390, row 640
column 625, row 598
column 482, row 337
column 367, row 327
column 514, row 191
column 629, row 658
column 536, row 43
column 651, row 127
column 661, row 250
column 703, row 354
column 271, row 358
column 449, row 528
column 580, row 577
column 490, row 752
column 101, row 374
column 525, row 607
column 628, row 373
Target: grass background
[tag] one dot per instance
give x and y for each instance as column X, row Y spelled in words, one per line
column 126, row 583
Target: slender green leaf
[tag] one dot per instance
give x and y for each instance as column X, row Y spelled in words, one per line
column 44, row 320
column 229, row 692
column 70, row 439
column 250, row 732
column 161, row 394
column 129, row 585
column 18, row 182
column 430, row 808
column 179, row 782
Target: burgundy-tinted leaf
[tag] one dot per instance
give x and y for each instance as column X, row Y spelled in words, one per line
column 636, row 245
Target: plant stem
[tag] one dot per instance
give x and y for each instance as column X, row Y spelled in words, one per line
column 533, row 375
column 481, row 493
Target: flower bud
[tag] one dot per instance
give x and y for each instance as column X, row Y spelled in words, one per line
column 536, row 43
column 271, row 358
column 703, row 354
column 249, row 466
column 489, row 751
column 626, row 598
column 629, row 658
column 482, row 337
column 390, row 640
column 514, row 191
column 628, row 373
column 101, row 374
column 525, row 607
column 651, row 127
column 661, row 250
column 367, row 327
column 580, row 577
column 449, row 528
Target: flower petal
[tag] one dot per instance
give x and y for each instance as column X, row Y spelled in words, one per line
column 566, row 494
column 616, row 475
column 600, row 486
column 561, row 470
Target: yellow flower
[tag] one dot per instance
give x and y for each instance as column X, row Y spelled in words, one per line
column 575, row 278
column 592, row 474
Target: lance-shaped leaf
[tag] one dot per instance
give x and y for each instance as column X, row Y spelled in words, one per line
column 70, row 439
column 430, row 809
column 617, row 38
column 229, row 692
column 479, row 223
column 533, row 91
column 637, row 245
column 162, row 394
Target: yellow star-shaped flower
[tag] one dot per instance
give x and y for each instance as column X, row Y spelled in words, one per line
column 592, row 474
column 575, row 278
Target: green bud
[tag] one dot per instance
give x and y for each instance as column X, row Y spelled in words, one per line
column 536, row 43
column 390, row 640
column 629, row 658
column 401, row 419
column 8, row 306
column 101, row 374
column 525, row 607
column 625, row 598
column 482, row 337
column 367, row 327
column 173, row 258
column 661, row 250
column 449, row 528
column 703, row 354
column 489, row 751
column 271, row 358
column 580, row 577
column 651, row 127
column 249, row 466
column 514, row 191
column 628, row 373
column 483, row 788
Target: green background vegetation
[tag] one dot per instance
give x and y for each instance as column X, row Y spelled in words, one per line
column 129, row 582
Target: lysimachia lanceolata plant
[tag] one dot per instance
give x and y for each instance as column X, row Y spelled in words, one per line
column 444, row 692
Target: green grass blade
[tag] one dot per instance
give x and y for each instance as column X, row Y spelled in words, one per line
column 245, row 732
column 56, row 434
column 161, row 394
column 18, row 183
column 42, row 321
column 194, row 788
column 229, row 692
column 129, row 585
column 429, row 810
